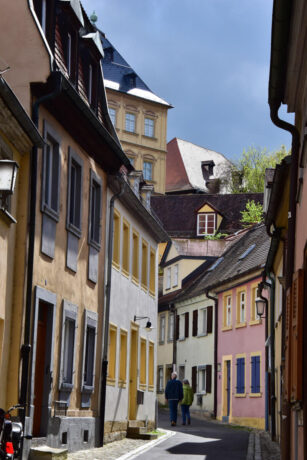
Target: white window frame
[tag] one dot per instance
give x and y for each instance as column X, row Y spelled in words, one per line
column 201, row 379
column 130, row 122
column 160, row 379
column 203, row 321
column 162, row 329
column 112, row 114
column 242, row 306
column 171, row 326
column 168, row 278
column 175, row 275
column 206, row 223
column 149, row 127
column 228, row 310
column 182, row 326
column 68, row 347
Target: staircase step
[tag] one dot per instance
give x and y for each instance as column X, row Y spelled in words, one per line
column 47, row 453
column 136, row 429
column 147, row 436
column 136, row 423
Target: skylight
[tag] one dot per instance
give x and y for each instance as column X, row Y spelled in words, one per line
column 248, row 250
column 216, row 263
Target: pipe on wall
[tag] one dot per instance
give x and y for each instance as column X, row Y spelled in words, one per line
column 215, row 350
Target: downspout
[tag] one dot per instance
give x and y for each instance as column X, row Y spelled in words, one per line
column 174, row 310
column 274, row 107
column 104, row 367
column 26, row 346
column 272, row 343
column 266, row 402
column 215, row 349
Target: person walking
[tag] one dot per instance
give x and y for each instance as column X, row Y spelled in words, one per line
column 173, row 394
column 186, row 402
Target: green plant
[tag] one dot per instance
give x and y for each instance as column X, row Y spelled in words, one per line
column 252, row 214
column 216, row 236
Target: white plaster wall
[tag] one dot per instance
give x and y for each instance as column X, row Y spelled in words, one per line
column 196, row 351
column 128, row 300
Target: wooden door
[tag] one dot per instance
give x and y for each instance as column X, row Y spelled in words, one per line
column 39, row 369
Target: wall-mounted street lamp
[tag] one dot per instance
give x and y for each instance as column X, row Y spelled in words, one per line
column 261, row 302
column 148, row 324
column 8, row 174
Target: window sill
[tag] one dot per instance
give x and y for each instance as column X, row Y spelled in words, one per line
column 115, row 265
column 181, row 339
column 130, row 132
column 171, row 340
column 135, row 280
column 94, row 245
column 226, row 328
column 240, row 395
column 255, row 395
column 66, row 386
column 254, row 322
column 161, row 342
column 50, row 212
column 111, row 382
column 201, row 393
column 239, row 325
column 125, row 273
column 143, row 386
column 144, row 287
column 74, row 230
column 150, row 137
column 122, row 383
column 87, row 389
column 7, row 217
column 152, row 294
column 203, row 334
column 151, row 387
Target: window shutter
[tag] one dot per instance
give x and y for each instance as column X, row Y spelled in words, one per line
column 177, row 327
column 297, row 336
column 186, row 324
column 195, row 321
column 288, row 343
column 253, row 375
column 194, row 377
column 242, row 375
column 208, row 378
column 209, row 319
column 257, row 373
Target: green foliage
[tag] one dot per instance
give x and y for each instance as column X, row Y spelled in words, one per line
column 252, row 214
column 248, row 175
column 216, row 236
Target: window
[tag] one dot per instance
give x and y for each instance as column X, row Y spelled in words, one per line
column 144, row 264
column 168, row 278
column 90, row 83
column 112, row 113
column 89, row 350
column 254, row 318
column 204, row 321
column 143, row 362
column 51, row 173
column 171, row 323
column 152, row 274
column 112, row 354
column 151, row 363
column 131, row 160
column 184, row 326
column 149, row 127
column 123, row 357
column 206, row 224
column 69, row 326
column 240, row 388
column 68, row 58
column 181, row 374
column 126, row 248
column 160, row 386
column 227, row 311
column 255, row 374
column 175, row 275
column 202, row 379
column 116, row 239
column 241, row 307
column 147, row 170
column 135, row 256
column 74, row 193
column 130, row 122
column 162, row 329
column 95, row 210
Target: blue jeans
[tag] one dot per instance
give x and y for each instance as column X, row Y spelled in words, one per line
column 173, row 404
column 185, row 412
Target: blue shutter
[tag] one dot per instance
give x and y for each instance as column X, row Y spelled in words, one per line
column 253, row 374
column 257, row 372
column 240, row 375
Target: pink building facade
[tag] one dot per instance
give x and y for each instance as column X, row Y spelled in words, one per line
column 240, row 355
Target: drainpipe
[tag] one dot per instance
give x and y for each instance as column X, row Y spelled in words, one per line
column 174, row 310
column 272, row 342
column 104, row 367
column 26, row 346
column 215, row 299
column 274, row 107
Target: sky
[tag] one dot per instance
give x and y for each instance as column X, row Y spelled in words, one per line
column 208, row 58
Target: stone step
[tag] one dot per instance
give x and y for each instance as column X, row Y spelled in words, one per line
column 136, row 430
column 37, row 442
column 147, row 436
column 47, row 453
column 134, row 423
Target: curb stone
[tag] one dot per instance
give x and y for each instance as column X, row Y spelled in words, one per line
column 148, row 445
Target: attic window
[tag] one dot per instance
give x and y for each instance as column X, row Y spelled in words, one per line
column 207, row 168
column 109, row 53
column 206, row 223
column 248, row 250
column 216, row 263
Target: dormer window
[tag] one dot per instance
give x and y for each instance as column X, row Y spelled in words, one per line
column 207, row 168
column 206, row 223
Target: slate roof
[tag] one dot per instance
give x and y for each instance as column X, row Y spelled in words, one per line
column 184, row 166
column 178, row 213
column 118, row 75
column 232, row 266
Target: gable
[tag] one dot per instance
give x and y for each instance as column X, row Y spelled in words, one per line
column 206, row 208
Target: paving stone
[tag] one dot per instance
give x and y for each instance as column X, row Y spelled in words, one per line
column 110, row 451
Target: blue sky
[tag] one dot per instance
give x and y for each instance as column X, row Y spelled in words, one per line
column 208, row 58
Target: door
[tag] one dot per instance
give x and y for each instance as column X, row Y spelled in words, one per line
column 133, row 374
column 43, row 372
column 226, row 390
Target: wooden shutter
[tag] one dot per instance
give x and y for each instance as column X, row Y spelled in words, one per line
column 297, row 336
column 209, row 319
column 177, row 327
column 257, row 373
column 208, row 378
column 287, row 377
column 186, row 324
column 194, row 377
column 195, row 323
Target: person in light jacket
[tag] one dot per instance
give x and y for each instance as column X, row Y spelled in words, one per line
column 188, row 396
column 173, row 394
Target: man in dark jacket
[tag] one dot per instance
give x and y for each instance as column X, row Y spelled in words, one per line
column 173, row 394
